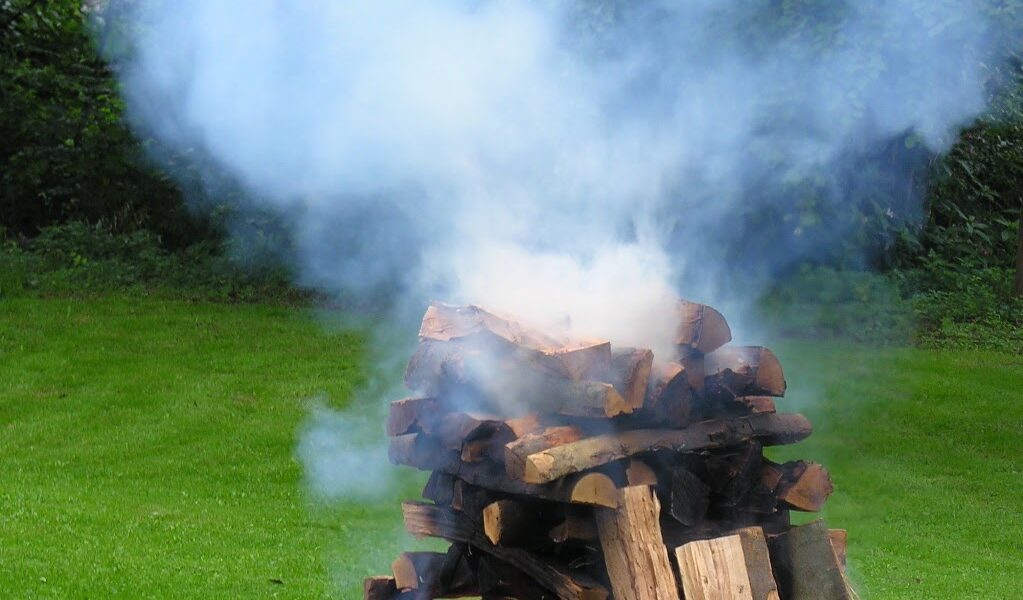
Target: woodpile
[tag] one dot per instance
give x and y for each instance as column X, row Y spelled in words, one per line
column 566, row 468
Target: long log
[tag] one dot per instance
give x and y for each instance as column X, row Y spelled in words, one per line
column 434, row 521
column 572, row 358
column 419, row 451
column 516, row 452
column 506, row 385
column 634, row 552
column 769, row 429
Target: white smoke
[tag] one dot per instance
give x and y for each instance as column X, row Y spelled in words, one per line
column 537, row 157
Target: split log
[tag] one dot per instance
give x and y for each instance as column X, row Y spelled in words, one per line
column 518, row 523
column 379, row 588
column 701, row 328
column 574, row 359
column 434, row 521
column 743, row 474
column 758, row 404
column 419, row 571
column 722, row 569
column 506, row 385
column 639, row 472
column 472, row 500
column 758, row 563
column 690, row 497
column 839, row 543
column 770, row 429
column 805, row 486
column 577, row 526
column 501, row 581
column 403, row 415
column 735, row 371
column 439, row 488
column 805, row 565
column 419, row 451
column 630, row 374
column 670, row 395
column 516, row 452
column 714, row 569
column 634, row 552
column 455, row 428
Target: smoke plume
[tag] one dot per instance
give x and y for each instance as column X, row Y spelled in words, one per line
column 568, row 161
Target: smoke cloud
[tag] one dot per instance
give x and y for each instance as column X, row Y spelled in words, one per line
column 568, row 161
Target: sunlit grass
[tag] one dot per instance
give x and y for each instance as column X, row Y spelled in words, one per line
column 148, row 450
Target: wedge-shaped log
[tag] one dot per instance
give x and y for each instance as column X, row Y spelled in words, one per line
column 572, row 358
column 487, row 380
column 439, row 488
column 839, row 543
column 577, row 526
column 630, row 374
column 670, row 395
column 735, row 371
column 726, row 568
column 434, row 521
column 380, row 587
column 701, row 328
column 805, row 565
column 690, row 497
column 757, row 556
column 404, row 415
column 634, row 552
column 805, row 486
column 769, row 429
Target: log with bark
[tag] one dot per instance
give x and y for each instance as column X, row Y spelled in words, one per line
column 563, row 467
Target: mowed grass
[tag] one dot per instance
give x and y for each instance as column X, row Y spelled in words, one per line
column 148, row 451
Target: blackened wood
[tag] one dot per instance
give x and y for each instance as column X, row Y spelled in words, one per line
column 735, row 371
column 434, row 521
column 805, row 565
column 690, row 497
column 805, row 486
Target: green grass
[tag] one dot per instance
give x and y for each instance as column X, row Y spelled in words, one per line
column 926, row 450
column 148, row 451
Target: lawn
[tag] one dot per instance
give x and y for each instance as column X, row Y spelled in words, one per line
column 149, row 451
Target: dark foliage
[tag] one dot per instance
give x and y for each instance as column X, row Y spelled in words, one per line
column 65, row 152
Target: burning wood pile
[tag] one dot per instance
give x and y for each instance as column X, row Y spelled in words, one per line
column 570, row 469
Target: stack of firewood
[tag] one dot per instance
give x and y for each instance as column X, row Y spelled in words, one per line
column 565, row 468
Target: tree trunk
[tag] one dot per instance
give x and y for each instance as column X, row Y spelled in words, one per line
column 1017, row 286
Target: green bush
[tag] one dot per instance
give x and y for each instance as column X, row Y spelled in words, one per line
column 824, row 303
column 967, row 308
column 77, row 258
